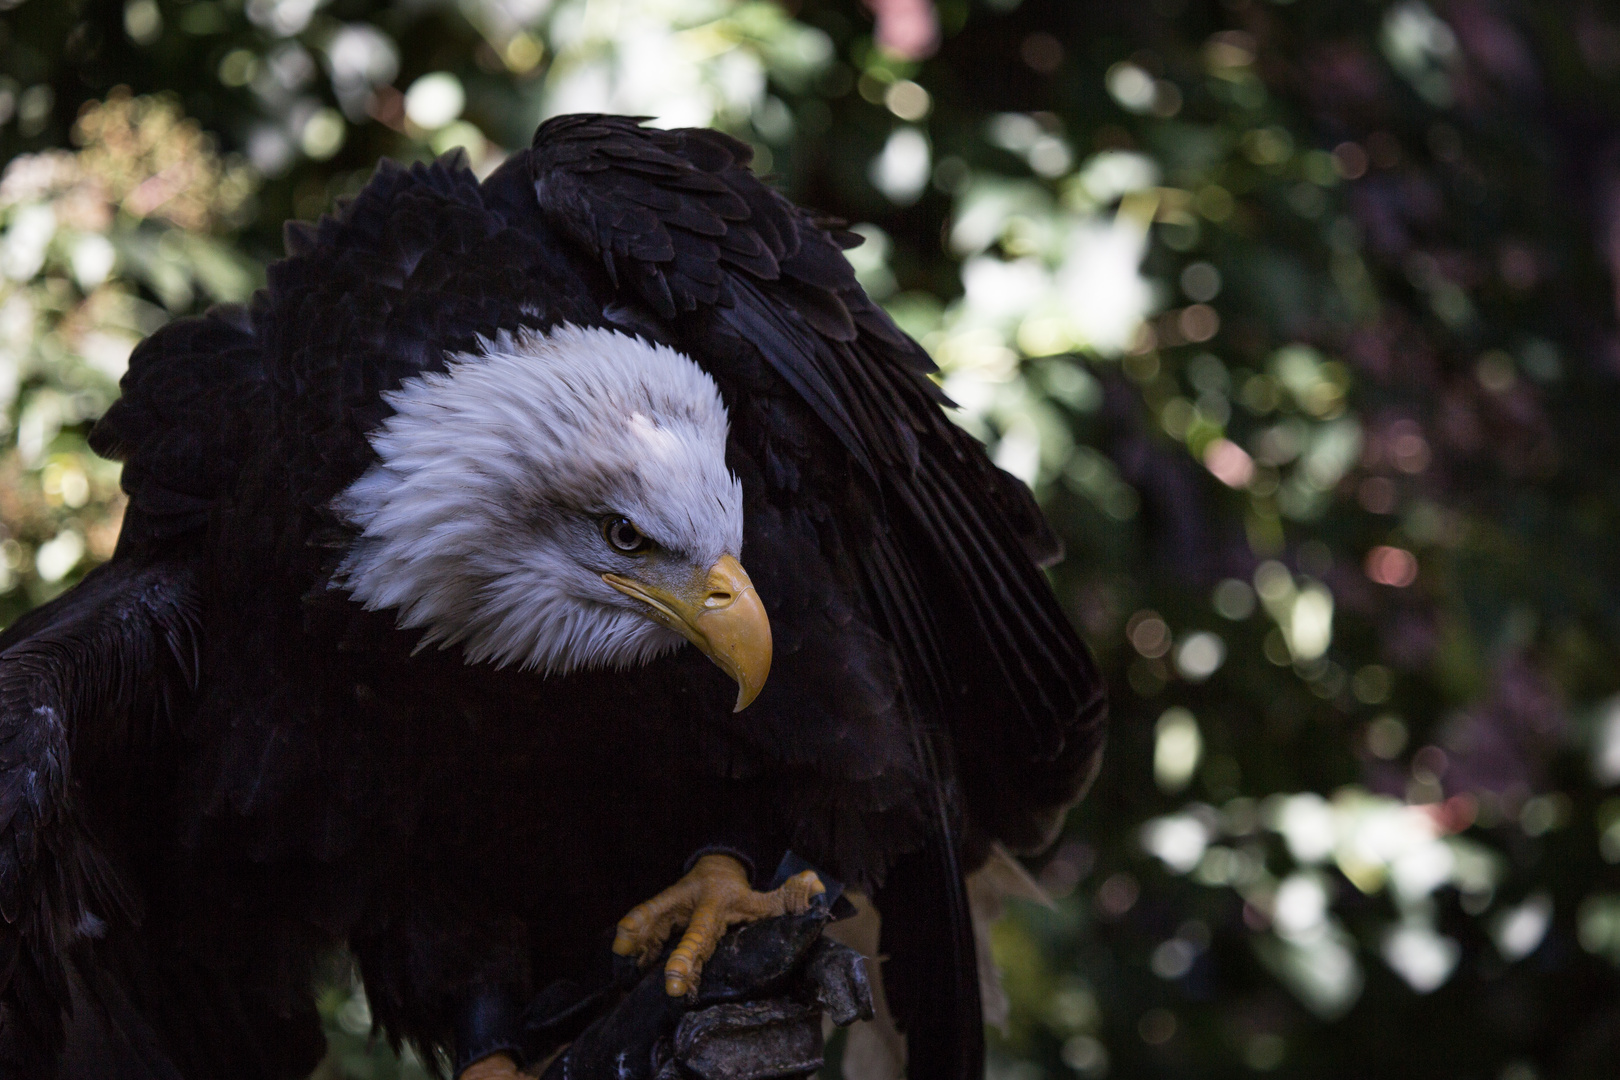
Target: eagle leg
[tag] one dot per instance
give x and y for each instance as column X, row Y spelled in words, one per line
column 712, row 898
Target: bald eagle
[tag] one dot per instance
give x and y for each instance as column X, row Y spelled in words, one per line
column 393, row 650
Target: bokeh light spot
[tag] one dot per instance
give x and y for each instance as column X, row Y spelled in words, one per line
column 238, row 67
column 434, row 100
column 1086, row 1055
column 1214, row 202
column 1201, row 281
column 1229, row 463
column 1392, row 566
column 1386, row 737
column 1043, row 52
column 1117, row 895
column 1371, row 684
column 1177, row 747
column 901, row 170
column 1350, row 160
column 1200, row 655
column 323, row 134
column 1148, row 633
column 143, row 22
column 1495, row 371
column 1421, row 956
column 1157, row 1026
column 907, row 100
column 1198, row 323
column 1132, row 87
column 1264, row 1052
column 1606, row 744
column 1519, row 930
column 56, row 557
column 1177, row 840
column 1173, row 959
column 1233, row 599
column 1300, row 906
column 1544, row 813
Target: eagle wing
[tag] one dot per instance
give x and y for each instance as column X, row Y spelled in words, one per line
column 80, row 678
column 102, row 671
column 677, row 219
column 1006, row 704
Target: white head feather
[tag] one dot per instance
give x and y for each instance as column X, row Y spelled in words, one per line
column 481, row 520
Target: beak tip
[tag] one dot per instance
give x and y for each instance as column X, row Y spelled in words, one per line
column 745, row 696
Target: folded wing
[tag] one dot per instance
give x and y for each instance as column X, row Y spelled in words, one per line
column 102, row 668
column 1007, row 704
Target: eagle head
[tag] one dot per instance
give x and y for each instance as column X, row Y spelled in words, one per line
column 559, row 501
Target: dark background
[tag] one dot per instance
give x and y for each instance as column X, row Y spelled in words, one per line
column 1299, row 317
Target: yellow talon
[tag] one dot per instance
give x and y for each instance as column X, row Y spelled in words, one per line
column 708, row 901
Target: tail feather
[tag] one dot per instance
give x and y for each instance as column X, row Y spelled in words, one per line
column 931, row 975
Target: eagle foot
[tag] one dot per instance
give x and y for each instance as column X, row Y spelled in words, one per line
column 708, row 901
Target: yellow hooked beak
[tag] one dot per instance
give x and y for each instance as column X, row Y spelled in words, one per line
column 721, row 614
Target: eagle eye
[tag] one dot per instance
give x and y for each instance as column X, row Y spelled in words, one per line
column 622, row 534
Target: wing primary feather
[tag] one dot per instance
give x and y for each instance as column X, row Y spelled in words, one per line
column 991, row 594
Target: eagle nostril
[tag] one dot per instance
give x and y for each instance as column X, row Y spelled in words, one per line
column 718, row 598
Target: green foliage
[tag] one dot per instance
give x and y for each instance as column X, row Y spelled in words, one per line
column 100, row 246
column 1299, row 318
column 355, row 1050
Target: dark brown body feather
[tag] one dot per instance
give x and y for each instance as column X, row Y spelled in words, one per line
column 240, row 767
